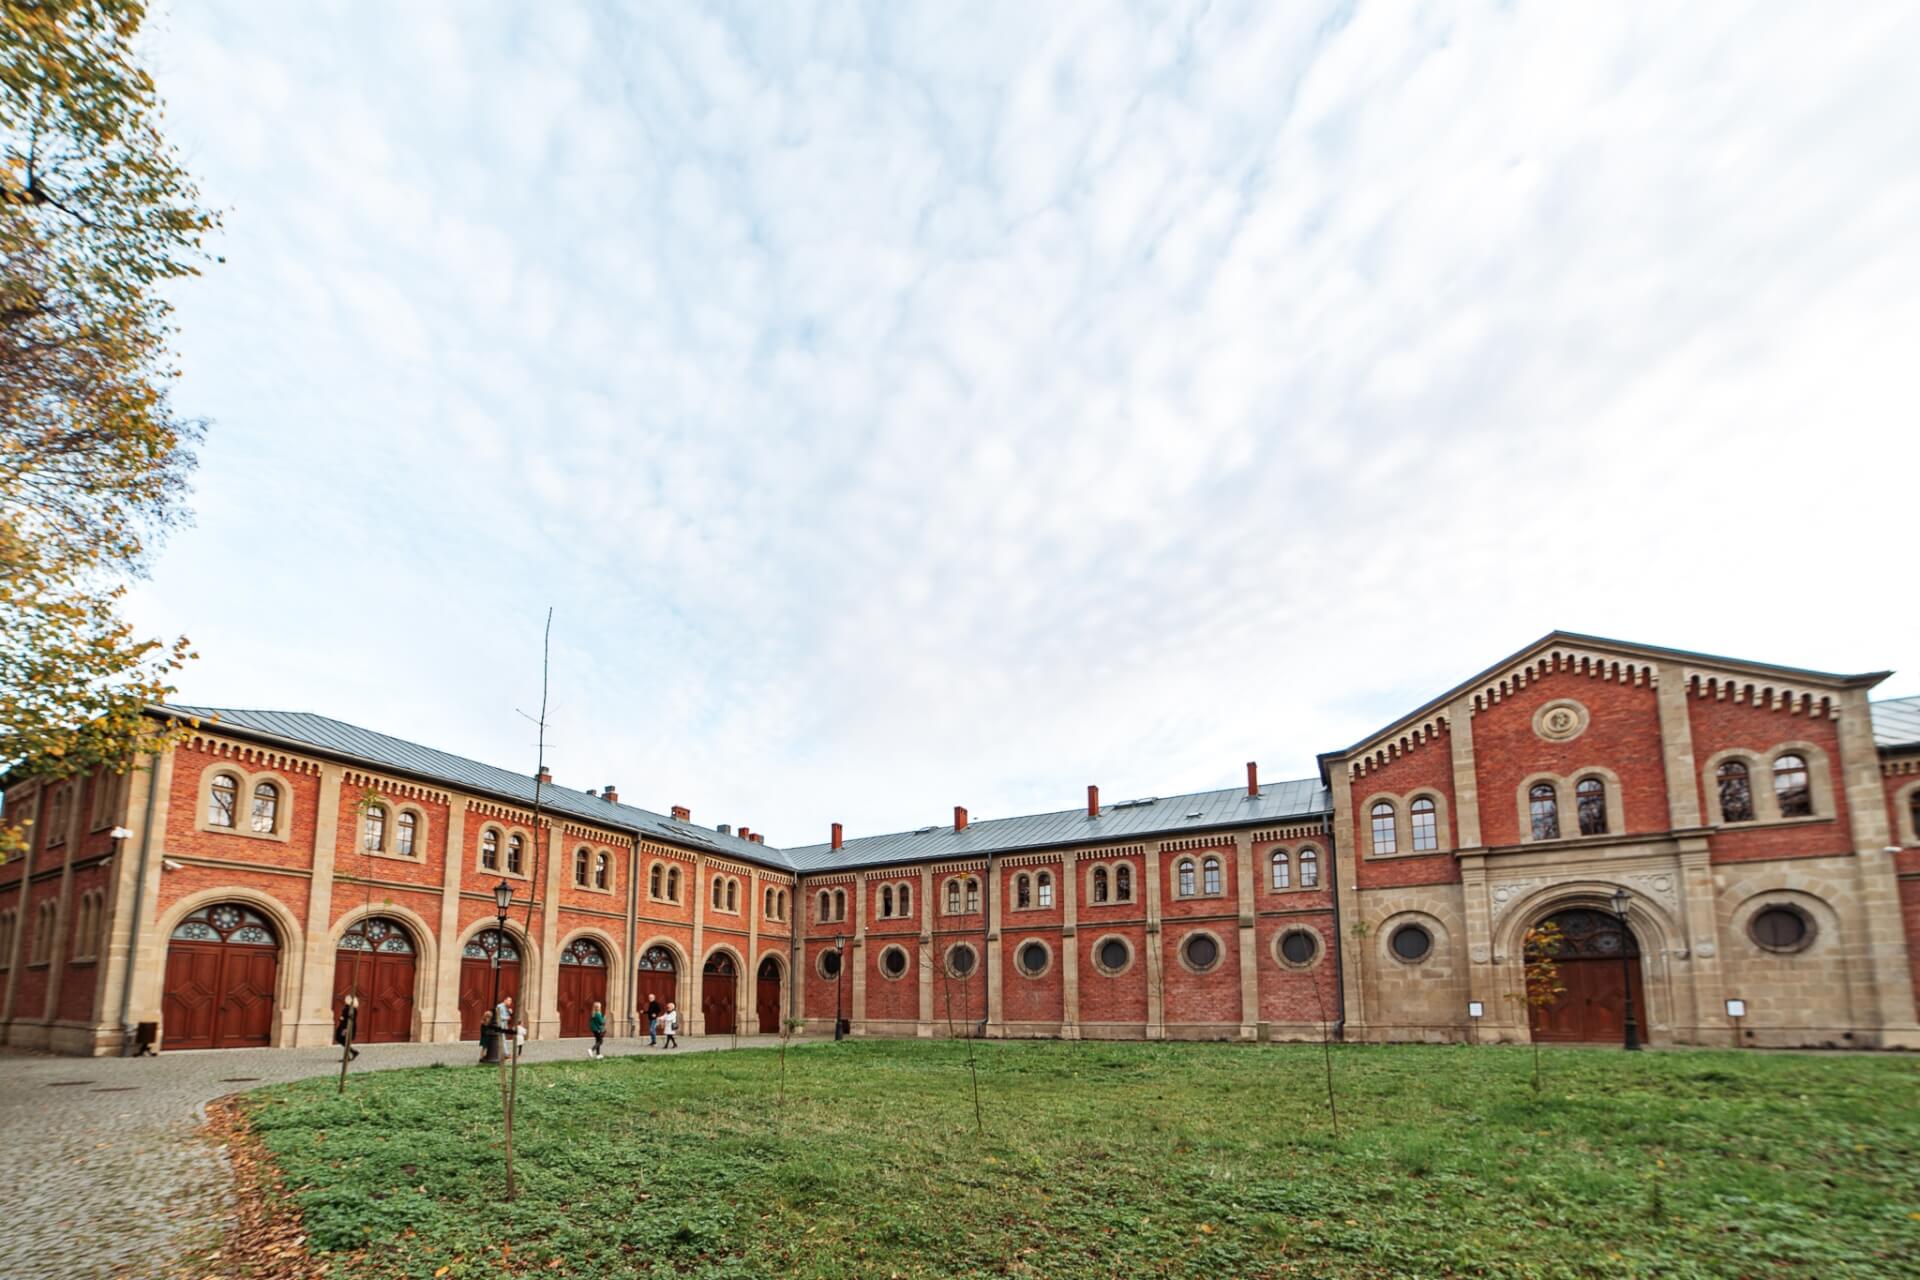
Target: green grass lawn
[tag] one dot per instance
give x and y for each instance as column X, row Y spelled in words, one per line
column 1120, row 1160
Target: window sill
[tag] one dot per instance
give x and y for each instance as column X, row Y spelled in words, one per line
column 1408, row 853
column 1766, row 823
column 275, row 836
column 510, row 875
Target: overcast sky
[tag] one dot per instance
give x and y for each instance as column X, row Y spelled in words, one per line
column 959, row 404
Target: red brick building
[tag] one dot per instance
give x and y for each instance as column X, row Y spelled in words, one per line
column 1763, row 823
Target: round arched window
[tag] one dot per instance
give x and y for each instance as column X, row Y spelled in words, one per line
column 960, row 960
column 1781, row 928
column 1299, row 947
column 1201, row 952
column 1033, row 959
column 1112, row 956
column 893, row 962
column 1411, row 942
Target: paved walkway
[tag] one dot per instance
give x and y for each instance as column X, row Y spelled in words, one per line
column 100, row 1164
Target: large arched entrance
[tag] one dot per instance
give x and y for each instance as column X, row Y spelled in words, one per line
column 719, row 995
column 477, row 960
column 222, row 965
column 375, row 961
column 767, row 996
column 655, row 981
column 1592, row 1010
column 583, row 983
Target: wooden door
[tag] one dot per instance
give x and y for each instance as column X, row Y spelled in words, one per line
column 583, row 983
column 476, row 992
column 376, row 962
column 223, row 964
column 1597, row 960
column 657, row 975
column 718, row 998
column 767, row 993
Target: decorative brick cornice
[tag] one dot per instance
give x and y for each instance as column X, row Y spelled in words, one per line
column 1217, row 841
column 950, row 868
column 811, row 880
column 1418, row 736
column 1570, row 660
column 731, row 868
column 1299, row 831
column 252, row 754
column 1900, row 768
column 504, row 812
column 1774, row 695
column 596, row 834
column 1031, row 860
column 392, row 787
column 668, row 851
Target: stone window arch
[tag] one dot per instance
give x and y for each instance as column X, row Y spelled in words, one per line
column 490, row 838
column 1123, row 882
column 1309, row 868
column 1793, row 793
column 1590, row 805
column 825, row 912
column 1792, row 785
column 1043, row 889
column 517, row 855
column 718, row 891
column 409, row 830
column 582, row 866
column 1186, row 881
column 839, row 904
column 1281, row 874
column 962, row 960
column 973, row 895
column 1211, row 883
column 1543, row 811
column 234, row 802
column 1381, row 815
column 44, row 919
column 1906, row 813
column 1398, row 825
column 953, row 897
column 9, row 920
column 264, row 812
column 223, row 807
column 1731, row 785
column 86, row 926
column 1022, row 892
column 373, row 828
column 656, row 880
column 1424, row 818
column 886, row 902
column 1098, row 885
column 733, row 895
column 603, row 871
column 903, row 902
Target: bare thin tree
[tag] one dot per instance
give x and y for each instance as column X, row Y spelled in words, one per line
column 510, row 1063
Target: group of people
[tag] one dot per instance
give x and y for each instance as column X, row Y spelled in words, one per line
column 661, row 1022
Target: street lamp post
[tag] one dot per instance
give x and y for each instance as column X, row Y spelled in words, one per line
column 503, row 903
column 1620, row 900
column 839, row 978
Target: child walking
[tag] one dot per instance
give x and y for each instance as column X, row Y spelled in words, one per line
column 670, row 1026
column 597, row 1023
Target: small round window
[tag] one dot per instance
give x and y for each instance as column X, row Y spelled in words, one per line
column 1201, row 952
column 893, row 962
column 1299, row 948
column 829, row 964
column 1033, row 959
column 1113, row 955
column 1411, row 942
column 960, row 961
column 1781, row 928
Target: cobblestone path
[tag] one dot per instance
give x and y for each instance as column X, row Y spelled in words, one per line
column 102, row 1168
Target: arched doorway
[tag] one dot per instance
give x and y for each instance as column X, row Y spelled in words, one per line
column 477, row 960
column 767, row 996
column 223, row 963
column 583, row 981
column 375, row 961
column 657, row 979
column 719, row 995
column 1593, row 1008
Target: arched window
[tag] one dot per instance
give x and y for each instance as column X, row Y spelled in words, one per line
column 783, row 904
column 673, row 884
column 1282, row 870
column 1913, row 810
column 376, row 828
column 1384, row 838
column 973, row 895
column 1022, row 891
column 1426, row 825
column 1543, row 808
column 1210, row 875
column 1123, row 883
column 1736, row 792
column 517, row 855
column 1186, row 878
column 1790, row 787
column 719, row 889
column 581, row 867
column 405, row 827
column 266, row 807
column 1309, row 868
column 886, row 900
column 733, row 895
column 906, row 900
column 653, row 881
column 603, row 871
column 826, row 906
column 953, row 897
column 1043, row 886
column 224, row 799
column 490, row 850
column 1099, row 884
column 839, row 904
column 1590, row 799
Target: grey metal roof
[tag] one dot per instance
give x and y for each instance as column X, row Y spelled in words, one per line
column 339, row 738
column 1165, row 816
column 1896, row 722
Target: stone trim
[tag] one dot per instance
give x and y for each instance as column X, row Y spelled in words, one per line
column 1319, row 948
column 1904, row 799
column 243, row 803
column 250, row 754
column 1404, row 744
column 529, row 853
column 1766, row 804
column 394, row 787
column 1099, row 945
column 1402, row 802
column 1020, row 946
column 1566, row 803
column 394, row 809
column 1773, row 695
column 1187, row 936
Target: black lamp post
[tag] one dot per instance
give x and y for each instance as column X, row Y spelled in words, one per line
column 503, row 901
column 1620, row 900
column 839, row 976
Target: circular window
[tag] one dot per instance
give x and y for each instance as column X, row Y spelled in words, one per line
column 1112, row 956
column 1780, row 928
column 1412, row 943
column 1033, row 958
column 893, row 962
column 960, row 960
column 1298, row 948
column 1201, row 951
column 829, row 963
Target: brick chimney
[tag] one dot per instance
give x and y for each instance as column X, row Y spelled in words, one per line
column 757, row 838
column 746, row 832
column 1253, row 778
column 1093, row 801
column 838, row 838
column 545, row 775
column 611, row 794
column 682, row 814
column 959, row 818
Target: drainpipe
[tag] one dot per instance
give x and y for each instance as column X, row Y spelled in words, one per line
column 1339, row 939
column 139, row 896
column 633, row 933
column 987, row 942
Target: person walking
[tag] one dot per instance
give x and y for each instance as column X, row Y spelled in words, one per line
column 519, row 1038
column 669, row 1024
column 597, row 1023
column 344, row 1029
column 487, row 1038
column 653, row 1019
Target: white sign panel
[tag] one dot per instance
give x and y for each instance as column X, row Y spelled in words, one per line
column 1475, row 1008
column 1736, row 1008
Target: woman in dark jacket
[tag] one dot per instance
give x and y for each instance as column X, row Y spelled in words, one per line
column 343, row 1030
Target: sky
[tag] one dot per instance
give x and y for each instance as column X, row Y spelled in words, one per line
column 918, row 405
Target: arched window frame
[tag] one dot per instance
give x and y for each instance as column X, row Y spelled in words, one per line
column 409, row 833
column 515, row 862
column 716, row 892
column 1280, row 871
column 1792, row 783
column 9, row 925
column 839, row 904
column 1212, row 881
column 903, row 902
column 1185, row 880
column 222, row 810
column 582, row 867
column 245, row 786
column 1023, row 892
column 823, row 913
column 656, row 880
column 973, row 895
column 733, row 896
column 489, row 851
column 1309, row 867
column 886, row 902
column 1760, row 783
column 373, row 827
column 1098, row 885
column 951, row 892
column 1590, row 804
column 1423, row 824
column 1543, row 811
column 46, row 923
column 1403, row 836
column 1906, row 813
column 1043, row 890
column 1383, row 827
column 603, row 871
column 673, row 884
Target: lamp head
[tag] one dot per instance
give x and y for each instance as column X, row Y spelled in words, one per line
column 1620, row 900
column 503, row 897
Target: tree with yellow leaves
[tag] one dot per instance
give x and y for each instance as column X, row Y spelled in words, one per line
column 96, row 215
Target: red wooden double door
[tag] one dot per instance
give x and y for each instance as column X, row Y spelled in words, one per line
column 1598, row 958
column 583, row 984
column 477, row 979
column 223, row 967
column 376, row 963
